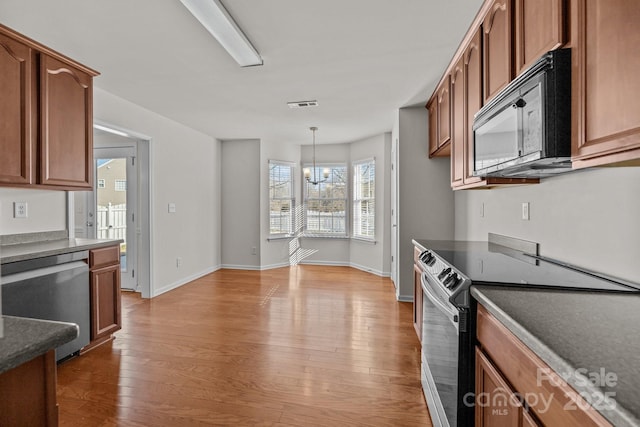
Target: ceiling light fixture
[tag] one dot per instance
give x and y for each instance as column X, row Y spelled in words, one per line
column 307, row 172
column 215, row 18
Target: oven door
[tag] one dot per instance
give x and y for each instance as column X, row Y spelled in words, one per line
column 439, row 354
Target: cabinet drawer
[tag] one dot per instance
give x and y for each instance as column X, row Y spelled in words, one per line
column 104, row 256
column 530, row 376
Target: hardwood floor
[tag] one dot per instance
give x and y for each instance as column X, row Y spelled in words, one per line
column 299, row 346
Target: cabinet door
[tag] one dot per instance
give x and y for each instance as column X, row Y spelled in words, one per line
column 433, row 127
column 105, row 301
column 496, row 403
column 539, row 29
column 17, row 143
column 606, row 104
column 473, row 85
column 417, row 301
column 458, row 124
column 444, row 114
column 66, row 125
column 498, row 69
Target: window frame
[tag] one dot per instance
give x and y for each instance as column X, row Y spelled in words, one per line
column 115, row 185
column 357, row 199
column 292, row 198
column 305, row 200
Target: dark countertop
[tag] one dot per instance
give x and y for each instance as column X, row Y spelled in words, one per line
column 26, row 251
column 24, row 339
column 581, row 334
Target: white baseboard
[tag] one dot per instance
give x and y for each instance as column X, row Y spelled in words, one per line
column 184, row 281
column 240, row 267
column 349, row 264
column 405, row 298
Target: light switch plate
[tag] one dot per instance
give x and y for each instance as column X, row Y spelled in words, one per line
column 172, row 208
column 525, row 211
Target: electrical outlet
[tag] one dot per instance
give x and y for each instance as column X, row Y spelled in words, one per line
column 525, row 211
column 178, row 262
column 20, row 209
column 254, row 251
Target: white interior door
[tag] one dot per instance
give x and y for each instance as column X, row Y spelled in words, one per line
column 111, row 208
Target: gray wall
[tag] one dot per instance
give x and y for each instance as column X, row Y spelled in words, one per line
column 425, row 199
column 241, row 203
column 588, row 218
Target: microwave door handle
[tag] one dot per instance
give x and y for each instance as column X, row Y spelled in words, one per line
column 451, row 314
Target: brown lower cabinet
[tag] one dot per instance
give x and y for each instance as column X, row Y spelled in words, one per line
column 104, row 271
column 514, row 387
column 32, row 400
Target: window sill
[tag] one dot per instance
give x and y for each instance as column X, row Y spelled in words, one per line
column 280, row 237
column 364, row 240
column 323, row 236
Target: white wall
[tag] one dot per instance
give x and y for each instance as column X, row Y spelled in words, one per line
column 364, row 255
column 185, row 170
column 241, row 203
column 587, row 218
column 46, row 209
column 425, row 199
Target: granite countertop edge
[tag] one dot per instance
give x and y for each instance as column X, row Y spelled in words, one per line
column 27, row 251
column 618, row 415
column 30, row 338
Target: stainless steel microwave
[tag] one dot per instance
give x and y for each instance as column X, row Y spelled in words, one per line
column 525, row 131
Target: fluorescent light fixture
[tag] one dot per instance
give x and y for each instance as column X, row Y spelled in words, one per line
column 108, row 129
column 215, row 18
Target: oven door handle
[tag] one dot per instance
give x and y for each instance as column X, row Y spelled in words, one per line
column 452, row 315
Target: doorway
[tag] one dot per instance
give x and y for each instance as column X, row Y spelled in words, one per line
column 113, row 206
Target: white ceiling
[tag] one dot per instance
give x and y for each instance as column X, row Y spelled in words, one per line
column 360, row 59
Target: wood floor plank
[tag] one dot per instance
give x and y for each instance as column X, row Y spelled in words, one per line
column 299, row 346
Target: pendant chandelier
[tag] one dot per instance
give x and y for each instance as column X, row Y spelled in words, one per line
column 307, row 172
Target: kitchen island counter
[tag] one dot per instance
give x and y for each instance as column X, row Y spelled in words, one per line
column 589, row 338
column 23, row 339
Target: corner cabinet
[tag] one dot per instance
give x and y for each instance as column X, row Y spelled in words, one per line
column 606, row 108
column 47, row 110
column 510, row 391
column 440, row 121
column 104, row 272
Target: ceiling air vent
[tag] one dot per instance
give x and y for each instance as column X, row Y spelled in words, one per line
column 302, row 104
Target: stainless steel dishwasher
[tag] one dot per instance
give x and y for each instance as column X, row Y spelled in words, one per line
column 51, row 288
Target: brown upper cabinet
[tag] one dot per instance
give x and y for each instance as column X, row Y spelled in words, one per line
column 606, row 108
column 47, row 100
column 539, row 28
column 458, row 124
column 497, row 47
column 16, row 90
column 440, row 121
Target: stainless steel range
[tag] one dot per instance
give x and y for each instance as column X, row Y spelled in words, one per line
column 450, row 268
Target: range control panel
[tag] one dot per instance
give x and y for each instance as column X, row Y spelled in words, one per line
column 453, row 282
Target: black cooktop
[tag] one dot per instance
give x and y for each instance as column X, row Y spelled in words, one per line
column 491, row 264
